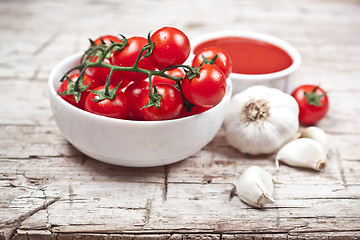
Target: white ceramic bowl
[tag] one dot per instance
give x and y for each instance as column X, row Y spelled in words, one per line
column 281, row 80
column 132, row 143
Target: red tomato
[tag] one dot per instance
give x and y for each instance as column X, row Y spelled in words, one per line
column 171, row 104
column 70, row 98
column 117, row 107
column 176, row 72
column 194, row 110
column 107, row 40
column 134, row 93
column 127, row 58
column 172, row 47
column 124, row 85
column 222, row 61
column 207, row 89
column 313, row 103
column 102, row 73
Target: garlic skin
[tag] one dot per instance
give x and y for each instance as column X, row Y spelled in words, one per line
column 255, row 186
column 318, row 135
column 260, row 120
column 302, row 152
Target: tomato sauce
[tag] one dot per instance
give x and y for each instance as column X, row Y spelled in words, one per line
column 250, row 56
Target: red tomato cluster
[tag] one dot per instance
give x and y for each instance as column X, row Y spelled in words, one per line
column 171, row 47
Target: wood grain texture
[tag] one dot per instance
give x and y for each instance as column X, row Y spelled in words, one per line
column 49, row 190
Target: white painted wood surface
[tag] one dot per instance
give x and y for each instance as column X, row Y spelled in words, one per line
column 49, row 190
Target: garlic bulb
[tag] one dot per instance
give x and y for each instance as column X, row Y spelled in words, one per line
column 260, row 120
column 302, row 152
column 255, row 186
column 318, row 135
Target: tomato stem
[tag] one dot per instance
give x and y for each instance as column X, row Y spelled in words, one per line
column 107, row 83
column 313, row 98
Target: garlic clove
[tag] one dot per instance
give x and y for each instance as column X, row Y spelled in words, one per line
column 318, row 135
column 255, row 187
column 303, row 152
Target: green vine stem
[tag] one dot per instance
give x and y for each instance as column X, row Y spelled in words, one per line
column 103, row 51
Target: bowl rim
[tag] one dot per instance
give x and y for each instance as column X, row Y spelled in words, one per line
column 74, row 57
column 287, row 47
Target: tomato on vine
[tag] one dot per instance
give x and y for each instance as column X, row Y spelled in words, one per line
column 68, row 90
column 222, row 59
column 127, row 58
column 171, row 104
column 101, row 73
column 134, row 93
column 113, row 104
column 194, row 110
column 107, row 39
column 126, row 63
column 172, row 47
column 313, row 103
column 207, row 89
column 176, row 72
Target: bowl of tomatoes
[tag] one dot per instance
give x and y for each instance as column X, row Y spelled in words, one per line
column 126, row 111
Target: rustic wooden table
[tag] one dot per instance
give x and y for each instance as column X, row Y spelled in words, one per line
column 50, row 190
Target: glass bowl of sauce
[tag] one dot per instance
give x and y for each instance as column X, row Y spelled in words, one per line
column 257, row 58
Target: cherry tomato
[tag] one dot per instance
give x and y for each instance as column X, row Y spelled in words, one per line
column 127, row 58
column 124, row 85
column 222, row 61
column 194, row 110
column 102, row 73
column 171, row 104
column 313, row 103
column 172, row 47
column 107, row 40
column 207, row 89
column 70, row 98
column 117, row 107
column 176, row 72
column 134, row 93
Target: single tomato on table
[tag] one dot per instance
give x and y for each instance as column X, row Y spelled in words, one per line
column 172, row 47
column 171, row 104
column 222, row 61
column 69, row 88
column 116, row 106
column 207, row 89
column 313, row 103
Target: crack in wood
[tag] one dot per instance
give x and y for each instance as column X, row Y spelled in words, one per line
column 165, row 185
column 201, row 235
column 45, row 44
column 36, row 73
column 336, row 154
column 71, row 193
column 148, row 211
column 14, row 225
